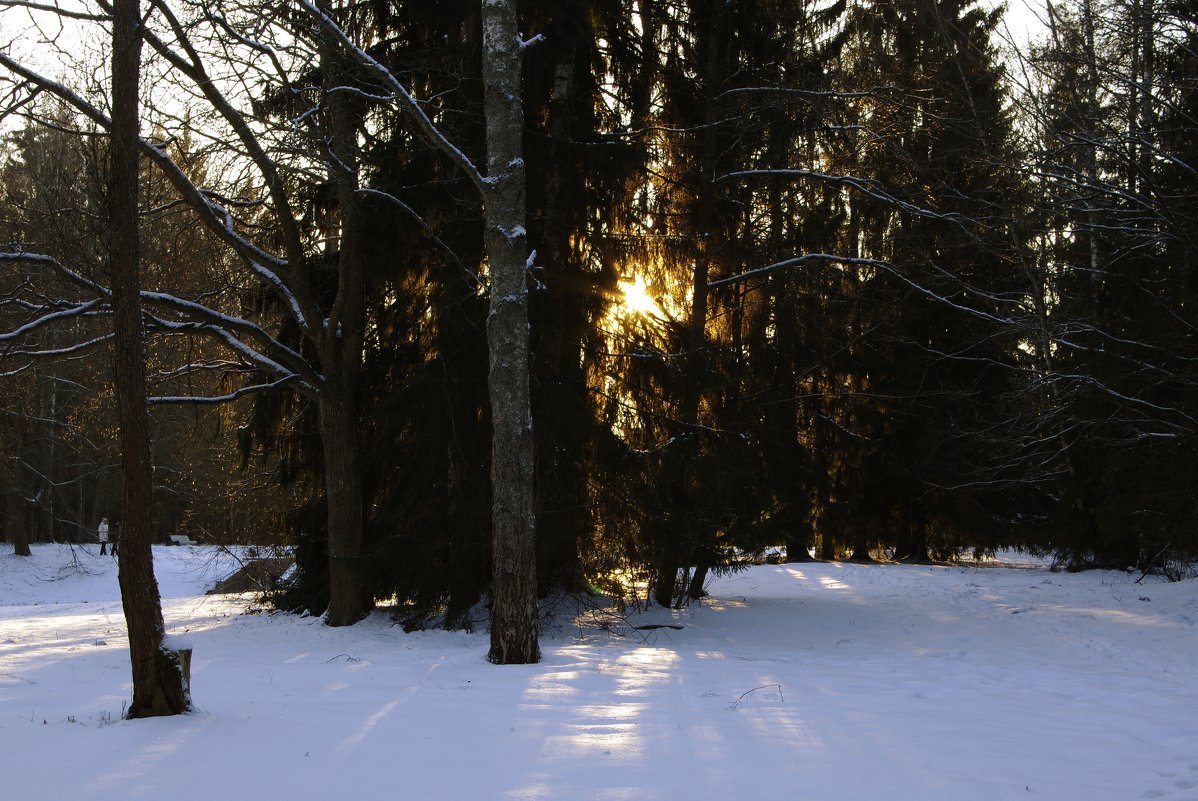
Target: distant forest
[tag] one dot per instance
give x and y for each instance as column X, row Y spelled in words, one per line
column 840, row 279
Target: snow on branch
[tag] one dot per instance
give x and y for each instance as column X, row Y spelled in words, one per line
column 881, row 264
column 250, row 356
column 406, row 209
column 57, row 10
column 797, row 261
column 46, row 314
column 533, row 42
column 808, row 93
column 273, row 278
column 15, row 372
column 44, row 260
column 49, row 317
column 224, row 327
column 198, row 318
column 55, row 353
column 215, row 216
column 1130, row 400
column 212, row 211
column 226, row 398
column 862, row 185
column 400, row 94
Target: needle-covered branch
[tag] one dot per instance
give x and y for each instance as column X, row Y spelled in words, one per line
column 400, row 95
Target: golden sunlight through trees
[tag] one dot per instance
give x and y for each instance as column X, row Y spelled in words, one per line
column 636, row 299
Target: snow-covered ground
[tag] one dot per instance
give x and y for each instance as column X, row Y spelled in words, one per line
column 822, row 681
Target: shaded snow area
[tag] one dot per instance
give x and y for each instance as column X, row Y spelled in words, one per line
column 822, row 681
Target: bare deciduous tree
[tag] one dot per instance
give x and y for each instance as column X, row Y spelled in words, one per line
column 158, row 681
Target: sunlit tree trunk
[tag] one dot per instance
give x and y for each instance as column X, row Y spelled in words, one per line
column 158, row 684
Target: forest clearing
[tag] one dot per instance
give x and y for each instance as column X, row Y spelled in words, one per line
column 804, row 681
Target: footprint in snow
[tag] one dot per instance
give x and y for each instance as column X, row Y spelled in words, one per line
column 1155, row 794
column 1185, row 784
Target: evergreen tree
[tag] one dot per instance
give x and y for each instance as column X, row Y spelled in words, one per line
column 1115, row 389
column 934, row 344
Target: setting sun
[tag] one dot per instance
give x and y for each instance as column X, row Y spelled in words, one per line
column 636, row 297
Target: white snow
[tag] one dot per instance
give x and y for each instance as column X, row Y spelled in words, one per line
column 814, row 681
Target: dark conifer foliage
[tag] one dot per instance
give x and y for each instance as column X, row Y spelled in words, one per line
column 1117, row 388
column 581, row 163
column 423, row 424
column 936, row 342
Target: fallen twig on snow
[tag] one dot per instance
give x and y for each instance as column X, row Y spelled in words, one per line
column 747, row 693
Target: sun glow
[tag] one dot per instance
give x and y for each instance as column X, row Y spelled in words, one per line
column 636, row 297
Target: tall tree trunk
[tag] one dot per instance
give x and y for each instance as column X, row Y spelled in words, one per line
column 694, row 590
column 1091, row 152
column 683, row 539
column 912, row 540
column 158, row 683
column 664, row 586
column 798, row 533
column 14, row 521
column 341, row 360
column 52, row 459
column 343, row 497
column 562, row 429
column 514, row 623
column 860, row 544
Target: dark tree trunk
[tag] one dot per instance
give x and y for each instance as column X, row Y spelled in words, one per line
column 798, row 546
column 826, row 552
column 796, row 526
column 343, row 497
column 683, row 536
column 912, row 545
column 158, row 683
column 695, row 591
column 14, row 521
column 667, row 573
column 341, row 360
column 561, row 412
column 514, row 623
column 466, row 441
column 860, row 545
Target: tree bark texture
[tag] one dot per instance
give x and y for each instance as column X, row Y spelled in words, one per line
column 158, row 685
column 341, row 349
column 682, row 535
column 514, row 623
column 14, row 524
column 343, row 496
column 559, row 373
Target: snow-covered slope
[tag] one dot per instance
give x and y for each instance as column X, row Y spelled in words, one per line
column 823, row 681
